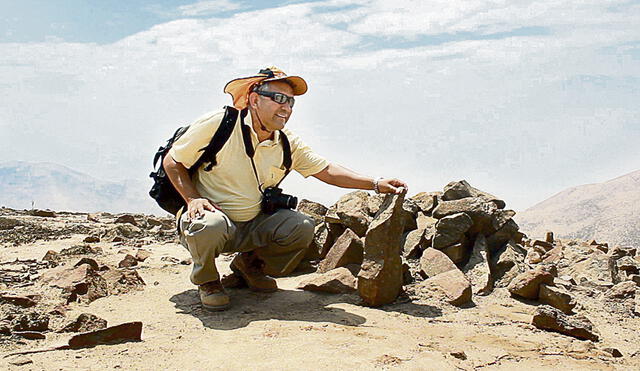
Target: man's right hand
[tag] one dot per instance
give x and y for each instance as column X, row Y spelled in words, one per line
column 197, row 206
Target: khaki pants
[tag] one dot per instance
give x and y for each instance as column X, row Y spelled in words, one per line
column 280, row 240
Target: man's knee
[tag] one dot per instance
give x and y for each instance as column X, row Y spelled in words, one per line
column 214, row 226
column 295, row 228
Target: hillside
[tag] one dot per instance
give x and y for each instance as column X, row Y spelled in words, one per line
column 607, row 211
column 24, row 185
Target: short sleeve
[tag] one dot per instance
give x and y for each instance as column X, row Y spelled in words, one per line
column 304, row 160
column 186, row 150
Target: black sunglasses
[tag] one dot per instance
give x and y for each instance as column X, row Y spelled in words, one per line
column 278, row 97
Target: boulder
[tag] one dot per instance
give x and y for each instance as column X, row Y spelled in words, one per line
column 553, row 256
column 24, row 301
column 450, row 230
column 85, row 322
column 43, row 213
column 352, row 211
column 128, row 261
column 142, row 255
column 557, row 298
column 481, row 213
column 81, row 282
column 458, row 253
column 127, row 218
column 622, row 290
column 508, row 232
column 414, row 243
column 453, row 284
column 91, row 239
column 335, row 281
column 426, row 201
column 409, row 210
column 380, row 278
column 477, row 268
column 552, row 319
column 32, row 321
column 314, row 210
column 507, row 263
column 462, row 189
column 122, row 281
column 527, row 284
column 348, row 249
column 434, row 262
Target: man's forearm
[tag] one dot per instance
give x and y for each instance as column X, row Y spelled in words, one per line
column 342, row 177
column 179, row 176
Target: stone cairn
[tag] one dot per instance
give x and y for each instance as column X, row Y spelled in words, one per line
column 458, row 244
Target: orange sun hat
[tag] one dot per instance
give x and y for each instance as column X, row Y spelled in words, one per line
column 241, row 87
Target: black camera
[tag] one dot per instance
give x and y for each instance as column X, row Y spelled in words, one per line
column 273, row 199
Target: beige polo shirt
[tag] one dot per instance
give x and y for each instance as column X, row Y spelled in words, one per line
column 231, row 184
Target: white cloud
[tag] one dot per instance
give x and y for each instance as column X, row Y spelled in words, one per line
column 209, row 7
column 521, row 116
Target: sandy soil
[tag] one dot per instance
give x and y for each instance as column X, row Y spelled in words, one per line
column 294, row 329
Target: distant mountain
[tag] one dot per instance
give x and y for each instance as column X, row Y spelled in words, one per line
column 57, row 187
column 607, row 212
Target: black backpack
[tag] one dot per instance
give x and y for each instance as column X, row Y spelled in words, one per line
column 163, row 190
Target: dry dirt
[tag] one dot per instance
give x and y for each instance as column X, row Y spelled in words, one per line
column 294, row 329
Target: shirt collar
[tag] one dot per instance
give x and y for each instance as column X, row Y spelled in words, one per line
column 254, row 135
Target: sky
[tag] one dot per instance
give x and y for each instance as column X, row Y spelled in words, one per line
column 523, row 99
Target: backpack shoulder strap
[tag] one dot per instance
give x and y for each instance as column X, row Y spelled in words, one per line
column 220, row 137
column 286, row 156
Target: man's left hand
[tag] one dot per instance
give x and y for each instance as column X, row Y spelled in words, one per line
column 391, row 185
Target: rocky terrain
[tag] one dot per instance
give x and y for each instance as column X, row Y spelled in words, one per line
column 440, row 280
column 607, row 211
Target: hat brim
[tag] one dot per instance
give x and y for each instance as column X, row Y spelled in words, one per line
column 297, row 83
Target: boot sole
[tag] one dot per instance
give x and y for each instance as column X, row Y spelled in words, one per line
column 216, row 308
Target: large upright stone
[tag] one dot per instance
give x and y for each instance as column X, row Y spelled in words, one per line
column 380, row 278
column 348, row 249
column 450, row 230
column 462, row 189
column 352, row 210
column 410, row 210
column 477, row 268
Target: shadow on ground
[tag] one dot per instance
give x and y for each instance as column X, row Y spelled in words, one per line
column 287, row 305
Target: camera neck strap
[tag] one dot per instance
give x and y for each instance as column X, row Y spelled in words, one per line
column 248, row 147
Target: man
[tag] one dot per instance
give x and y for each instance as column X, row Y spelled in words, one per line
column 223, row 212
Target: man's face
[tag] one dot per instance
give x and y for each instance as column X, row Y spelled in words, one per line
column 274, row 115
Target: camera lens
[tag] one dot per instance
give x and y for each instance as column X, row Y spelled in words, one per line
column 292, row 202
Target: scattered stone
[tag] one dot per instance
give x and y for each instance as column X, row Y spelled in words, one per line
column 615, row 353
column 91, row 262
column 30, row 335
column 380, row 278
column 623, row 290
column 312, row 209
column 91, row 239
column 527, row 284
column 20, row 361
column 24, row 301
column 477, row 268
column 142, row 255
column 552, row 319
column 434, row 262
column 128, row 262
column 122, row 281
column 9, row 223
column 453, row 284
column 231, row 281
column 336, row 281
column 131, row 331
column 126, row 218
column 32, row 321
column 122, row 231
column 348, row 249
column 552, row 256
column 459, row 355
column 81, row 282
column 43, row 213
column 544, row 244
column 557, row 298
column 85, row 322
column 450, row 230
column 187, row 261
column 51, row 256
column 80, row 250
column 93, row 217
column 170, row 259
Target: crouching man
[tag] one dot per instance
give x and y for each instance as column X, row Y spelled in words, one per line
column 224, row 212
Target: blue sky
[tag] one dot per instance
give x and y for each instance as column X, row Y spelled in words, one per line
column 523, row 99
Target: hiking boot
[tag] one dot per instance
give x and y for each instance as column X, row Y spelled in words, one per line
column 213, row 296
column 249, row 266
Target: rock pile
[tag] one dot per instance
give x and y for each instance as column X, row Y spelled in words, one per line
column 459, row 244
